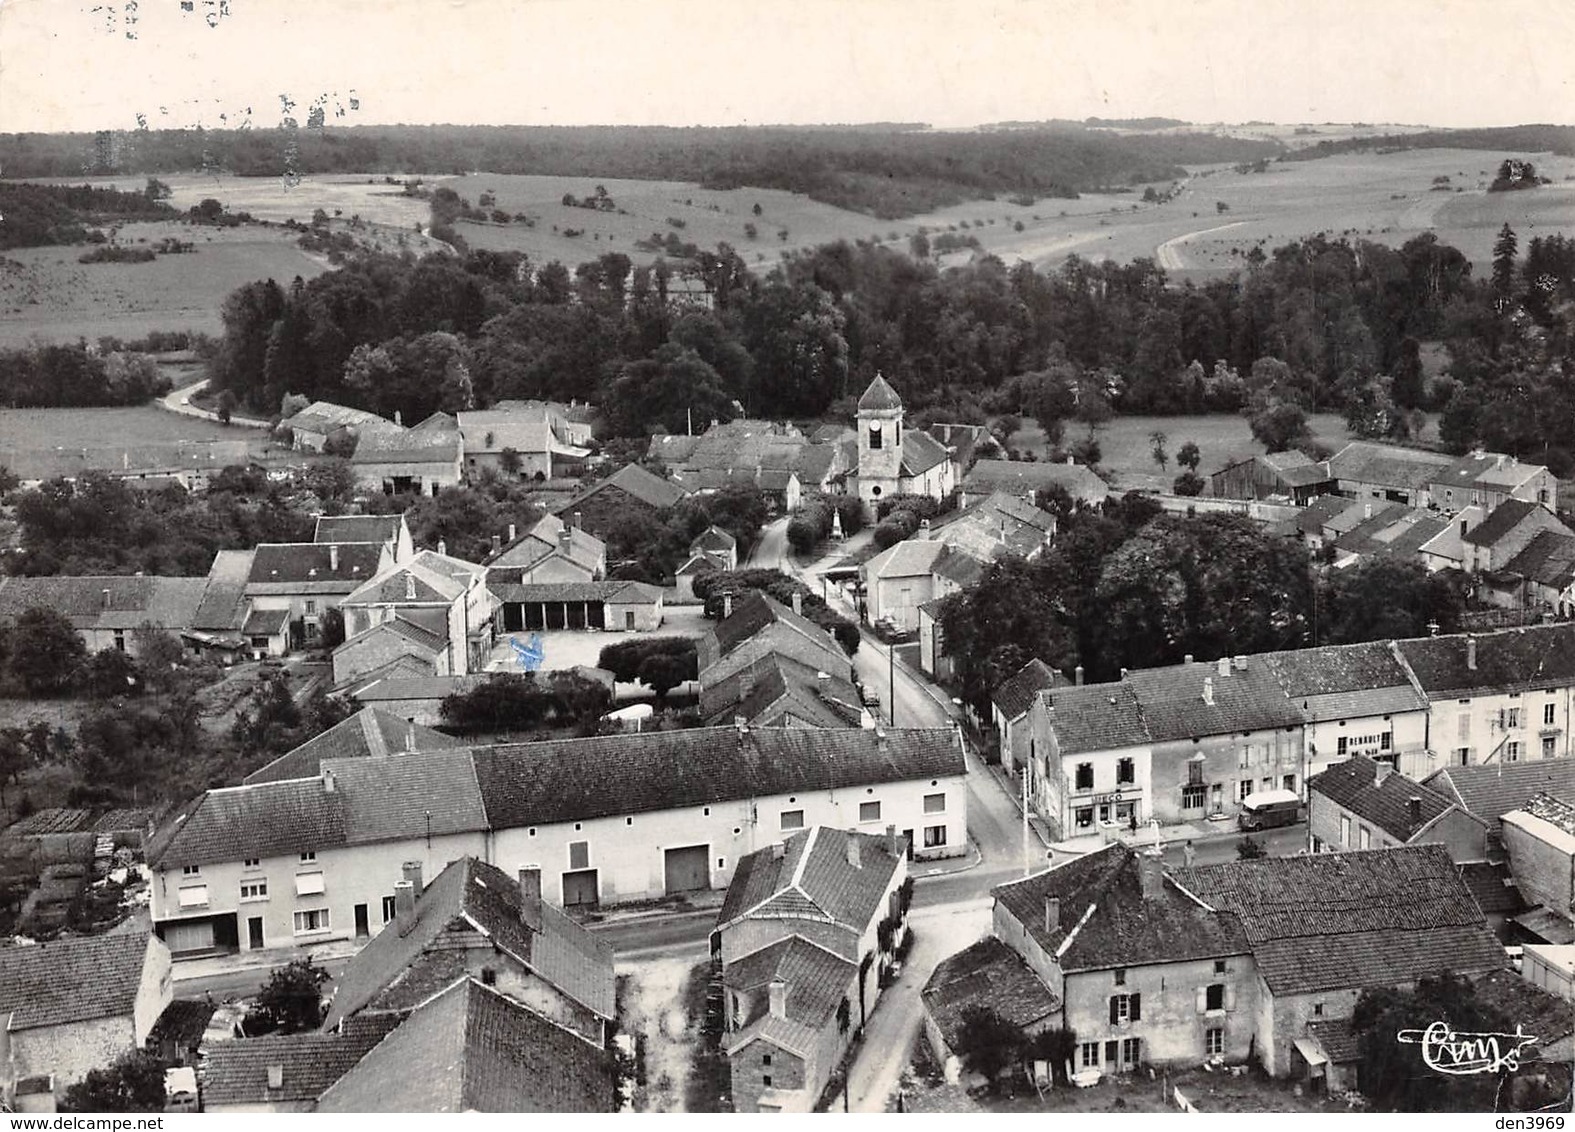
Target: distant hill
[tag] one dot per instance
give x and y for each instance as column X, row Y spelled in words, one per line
column 1536, row 138
column 888, row 172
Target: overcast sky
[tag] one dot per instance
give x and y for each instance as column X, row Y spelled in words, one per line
column 82, row 64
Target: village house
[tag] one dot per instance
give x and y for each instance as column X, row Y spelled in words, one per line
column 188, row 464
column 1495, row 697
column 1012, row 703
column 1024, row 479
column 778, row 691
column 1373, row 472
column 111, row 612
column 435, row 608
column 476, row 920
column 1089, row 759
column 1363, row 804
column 552, row 550
column 370, row 733
column 225, row 627
column 1311, row 959
column 986, row 975
column 74, row 1005
column 893, row 460
column 389, row 530
column 754, row 626
column 312, row 426
column 1544, row 572
column 605, row 503
column 1448, row 549
column 306, row 580
column 1396, row 532
column 713, row 549
column 284, row 1072
column 1540, row 840
column 1505, row 532
column 1289, row 475
column 468, row 1048
column 608, row 819
column 805, row 937
column 1494, row 789
column 1487, row 479
column 395, row 461
column 399, row 689
column 1307, row 525
column 522, row 439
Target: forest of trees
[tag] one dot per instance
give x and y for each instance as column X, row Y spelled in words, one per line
column 1505, row 139
column 76, row 376
column 886, row 171
column 44, row 215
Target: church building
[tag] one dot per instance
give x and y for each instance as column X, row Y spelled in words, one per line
column 894, row 460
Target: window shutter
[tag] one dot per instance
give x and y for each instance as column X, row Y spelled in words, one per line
column 1137, row 1008
column 1203, row 1000
column 1230, row 997
column 1115, row 1015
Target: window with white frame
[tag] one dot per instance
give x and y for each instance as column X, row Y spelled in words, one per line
column 934, row 836
column 1243, row 789
column 1126, row 772
column 579, row 854
column 254, row 890
column 390, row 909
column 935, row 803
column 311, row 920
column 190, row 870
column 1126, row 1008
column 792, row 819
column 1511, row 718
column 252, row 863
column 1131, row 1052
column 1085, row 817
column 1090, row 1055
column 1192, row 797
column 309, row 884
column 1367, row 838
column 194, row 896
column 1345, row 831
column 869, row 811
column 1214, row 1041
column 1548, row 715
column 1512, row 751
column 309, row 856
column 1083, row 777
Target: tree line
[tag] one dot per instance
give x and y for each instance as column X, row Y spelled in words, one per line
column 76, row 376
column 44, row 215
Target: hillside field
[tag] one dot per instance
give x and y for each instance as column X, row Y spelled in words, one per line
column 35, row 429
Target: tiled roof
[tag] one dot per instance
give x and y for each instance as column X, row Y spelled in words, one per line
column 71, row 980
column 959, row 566
column 389, row 799
column 387, row 687
column 814, row 463
column 782, row 1032
column 998, row 522
column 30, row 464
column 223, row 608
column 713, row 538
column 182, row 1023
column 1413, row 532
column 1493, row 888
column 270, row 819
column 1096, row 717
column 1015, row 696
column 813, row 879
column 778, row 681
column 622, row 593
column 1354, row 785
column 1249, row 699
column 1547, row 1016
column 387, row 974
column 545, row 537
column 1540, row 656
column 1024, row 476
column 579, row 779
column 752, row 613
column 325, row 417
column 635, row 481
column 1491, row 790
column 910, row 558
column 671, row 449
column 417, row 581
column 442, row 422
column 986, row 974
column 418, row 625
column 395, row 446
column 1548, row 560
column 1554, row 810
column 1351, row 920
column 1348, row 518
column 369, row 733
column 880, row 396
column 1499, row 522
column 1406, row 468
column 828, row 433
column 816, row 979
column 130, row 601
column 1363, row 537
column 236, row 1073
column 1463, row 472
column 1312, row 518
column 921, row 452
column 265, row 622
column 1343, row 681
column 1338, row 1039
column 1124, row 929
column 312, row 564
column 472, row 1050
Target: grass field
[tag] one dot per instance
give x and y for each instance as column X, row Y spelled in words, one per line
column 45, row 293
column 1127, row 452
column 33, row 429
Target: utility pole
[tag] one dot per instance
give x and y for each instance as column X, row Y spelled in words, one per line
column 891, row 683
column 1027, row 867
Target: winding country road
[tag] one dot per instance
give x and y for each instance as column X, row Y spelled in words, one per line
column 1169, row 255
column 179, row 401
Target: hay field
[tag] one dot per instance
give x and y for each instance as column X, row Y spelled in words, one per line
column 39, row 429
column 46, row 294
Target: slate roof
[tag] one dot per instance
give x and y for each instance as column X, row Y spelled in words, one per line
column 307, row 567
column 816, row 979
column 1123, row 929
column 777, row 681
column 1463, row 472
column 471, row 1049
column 1493, row 888
column 1096, row 717
column 1020, row 477
column 880, row 396
column 270, row 819
column 369, row 733
column 1345, row 681
column 1500, row 521
column 813, row 880
column 580, row 779
column 1404, row 468
column 1015, row 695
column 634, row 481
column 1491, row 790
column 621, row 593
column 1354, row 785
column 236, row 1073
column 71, row 980
column 991, row 975
column 1548, row 560
column 1510, row 660
column 1249, row 699
column 1351, row 920
column 392, row 972
column 165, row 602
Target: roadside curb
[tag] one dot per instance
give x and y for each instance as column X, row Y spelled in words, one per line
column 978, row 860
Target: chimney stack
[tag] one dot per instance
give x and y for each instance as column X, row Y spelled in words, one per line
column 1239, row 663
column 565, row 539
column 1224, row 665
column 412, row 871
column 1381, row 773
column 106, row 599
column 410, row 735
column 404, row 900
column 798, row 604
column 778, row 850
column 1151, row 874
column 855, row 858
column 1208, row 690
column 893, row 847
column 924, row 526
column 512, row 530
column 1123, row 674
column 333, row 557
column 497, row 543
column 328, row 781
column 276, row 1076
column 1471, row 652
column 578, row 524
column 1070, row 460
column 399, row 418
column 1413, row 807
column 727, row 605
column 1187, row 659
column 442, row 547
column 1367, row 511
column 1052, row 913
column 530, row 885
column 1077, row 675
column 776, row 994
column 410, row 587
column 741, row 723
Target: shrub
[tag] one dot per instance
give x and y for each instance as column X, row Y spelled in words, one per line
column 625, row 659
